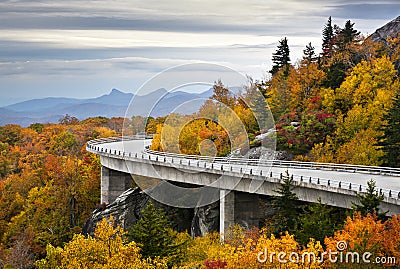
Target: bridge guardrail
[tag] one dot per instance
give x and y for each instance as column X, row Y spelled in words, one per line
column 253, row 166
column 292, row 164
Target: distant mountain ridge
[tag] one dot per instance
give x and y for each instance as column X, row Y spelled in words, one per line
column 114, row 104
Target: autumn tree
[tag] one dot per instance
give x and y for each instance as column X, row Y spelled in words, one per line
column 10, row 134
column 95, row 121
column 360, row 105
column 106, row 249
column 64, row 144
column 153, row 123
column 68, row 120
column 244, row 251
column 292, row 87
column 21, row 254
column 138, row 124
column 38, row 127
column 50, row 186
column 304, row 84
column 315, row 125
column 222, row 95
column 393, row 44
column 367, row 234
column 117, row 124
column 225, row 121
column 6, row 160
column 279, row 94
column 252, row 109
column 281, row 58
column 45, row 214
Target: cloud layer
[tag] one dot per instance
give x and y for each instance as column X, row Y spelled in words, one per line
column 82, row 48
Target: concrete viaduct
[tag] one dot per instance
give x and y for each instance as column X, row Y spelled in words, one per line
column 335, row 184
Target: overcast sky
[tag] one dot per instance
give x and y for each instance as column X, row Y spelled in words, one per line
column 85, row 48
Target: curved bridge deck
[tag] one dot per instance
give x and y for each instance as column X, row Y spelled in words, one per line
column 326, row 178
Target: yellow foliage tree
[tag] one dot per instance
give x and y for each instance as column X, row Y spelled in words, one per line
column 106, row 249
column 360, row 105
column 252, row 250
column 278, row 93
column 223, row 122
column 304, row 83
column 361, row 149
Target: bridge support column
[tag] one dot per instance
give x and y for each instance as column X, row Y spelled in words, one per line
column 238, row 207
column 226, row 211
column 113, row 184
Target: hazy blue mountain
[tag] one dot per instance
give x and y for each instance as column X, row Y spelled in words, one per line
column 115, row 97
column 40, row 104
column 6, row 112
column 180, row 102
column 25, row 120
column 161, row 103
column 207, row 93
column 87, row 110
column 115, row 104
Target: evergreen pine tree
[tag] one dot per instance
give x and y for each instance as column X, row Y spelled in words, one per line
column 349, row 34
column 369, row 201
column 339, row 53
column 317, row 222
column 154, row 235
column 309, row 54
column 390, row 141
column 327, row 39
column 281, row 58
column 346, row 36
column 335, row 74
column 288, row 206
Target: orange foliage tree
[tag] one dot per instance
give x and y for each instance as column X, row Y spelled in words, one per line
column 49, row 185
column 367, row 235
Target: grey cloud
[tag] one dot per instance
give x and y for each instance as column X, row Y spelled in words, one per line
column 79, row 68
column 107, row 23
column 71, row 15
column 246, row 17
column 49, row 73
column 367, row 11
column 257, row 46
column 23, row 51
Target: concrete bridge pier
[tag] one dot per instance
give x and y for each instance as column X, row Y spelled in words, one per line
column 113, row 184
column 238, row 207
